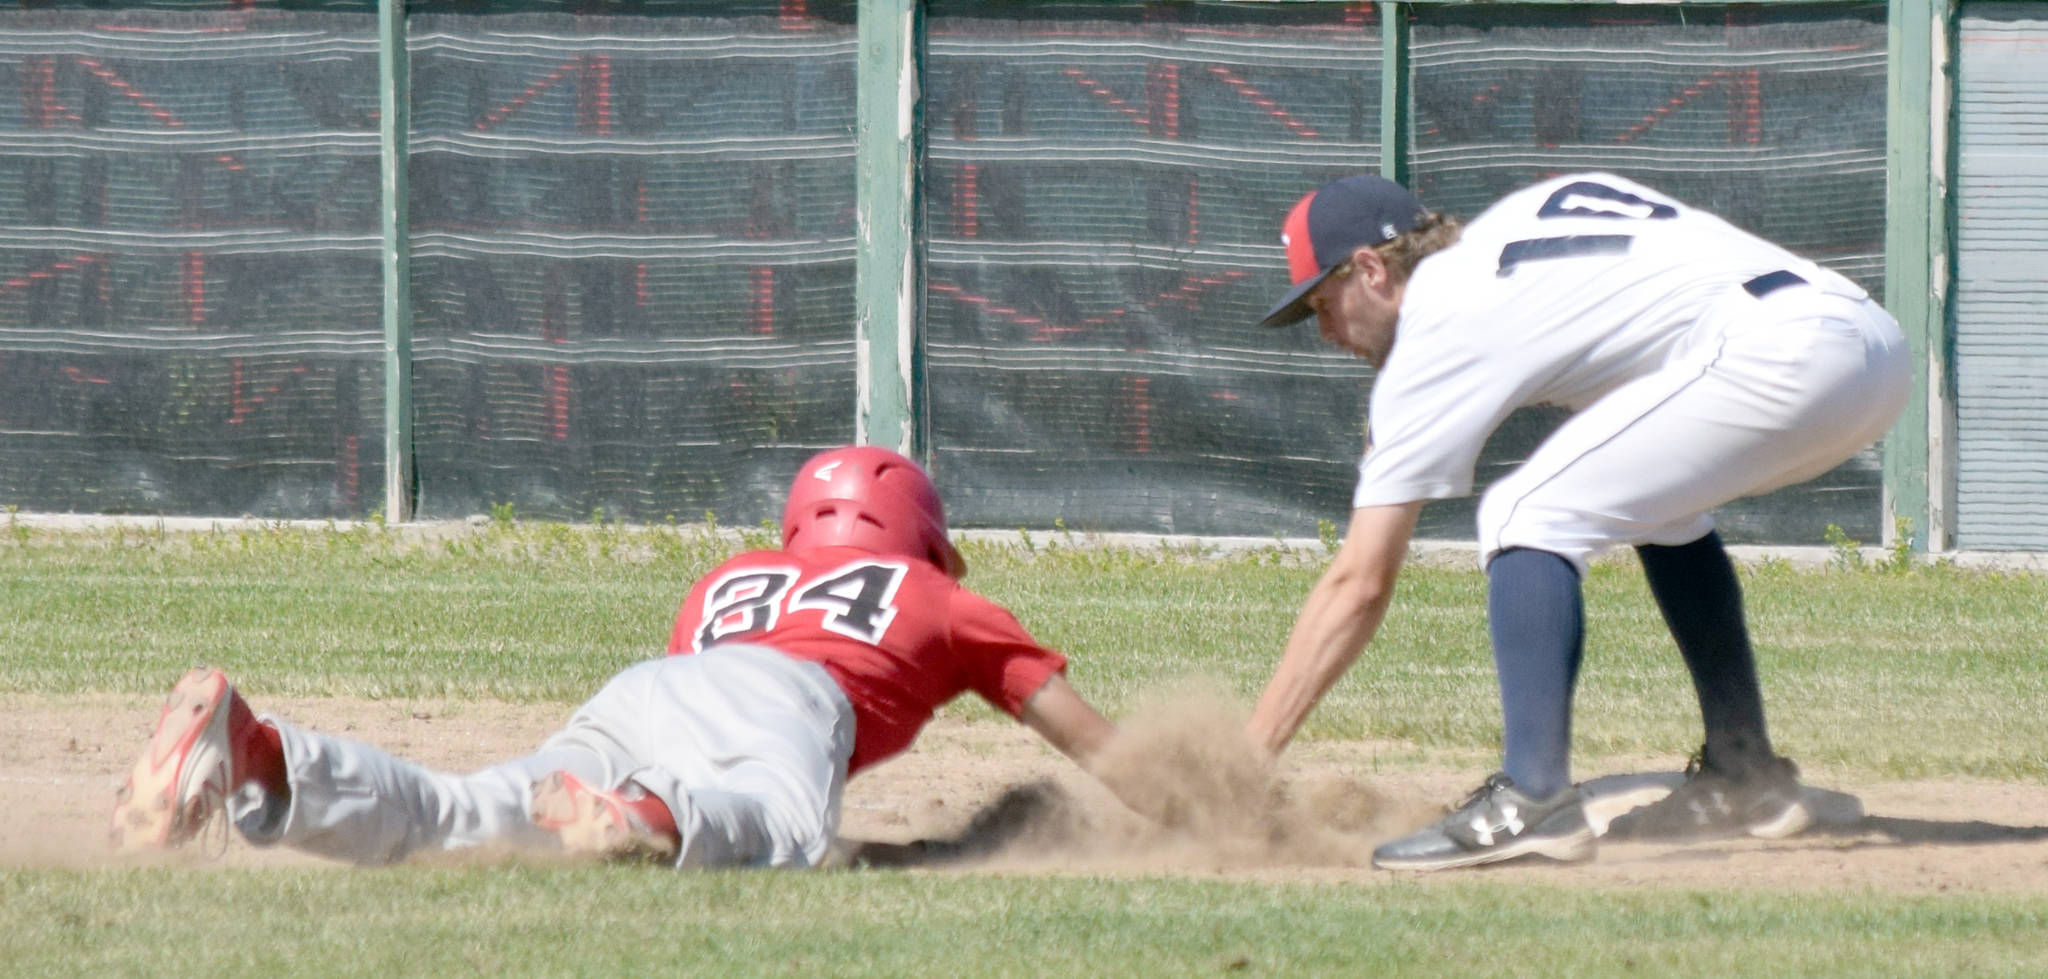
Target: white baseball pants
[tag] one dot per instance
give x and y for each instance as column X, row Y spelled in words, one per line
column 1770, row 392
column 747, row 747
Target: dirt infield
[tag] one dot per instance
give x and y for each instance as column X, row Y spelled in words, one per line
column 990, row 796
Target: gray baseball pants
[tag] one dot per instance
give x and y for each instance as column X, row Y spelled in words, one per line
column 747, row 747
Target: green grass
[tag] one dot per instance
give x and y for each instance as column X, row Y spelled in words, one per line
column 1868, row 672
column 615, row 921
column 1893, row 674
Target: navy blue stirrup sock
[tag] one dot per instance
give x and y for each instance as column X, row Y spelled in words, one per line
column 1696, row 588
column 1539, row 630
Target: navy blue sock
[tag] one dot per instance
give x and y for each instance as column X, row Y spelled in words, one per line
column 1539, row 631
column 1696, row 588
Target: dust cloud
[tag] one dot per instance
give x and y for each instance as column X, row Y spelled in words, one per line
column 1181, row 788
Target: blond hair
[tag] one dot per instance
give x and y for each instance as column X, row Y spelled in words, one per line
column 1434, row 233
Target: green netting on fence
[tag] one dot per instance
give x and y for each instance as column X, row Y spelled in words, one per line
column 633, row 242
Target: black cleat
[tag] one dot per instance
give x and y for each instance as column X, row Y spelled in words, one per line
column 1765, row 801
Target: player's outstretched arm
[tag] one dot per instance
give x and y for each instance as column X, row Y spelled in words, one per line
column 1341, row 614
column 1068, row 722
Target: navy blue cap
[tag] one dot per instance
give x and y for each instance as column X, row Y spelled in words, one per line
column 1332, row 221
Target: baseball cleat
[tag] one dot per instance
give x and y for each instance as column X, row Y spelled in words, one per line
column 1765, row 801
column 598, row 823
column 1496, row 822
column 185, row 774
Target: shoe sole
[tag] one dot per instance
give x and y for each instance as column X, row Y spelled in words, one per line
column 589, row 822
column 1793, row 821
column 1575, row 848
column 148, row 813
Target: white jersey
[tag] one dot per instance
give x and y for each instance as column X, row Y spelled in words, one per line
column 1557, row 295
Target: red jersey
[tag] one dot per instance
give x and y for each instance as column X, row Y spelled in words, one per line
column 897, row 635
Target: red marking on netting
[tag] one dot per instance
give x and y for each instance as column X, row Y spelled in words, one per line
column 968, row 217
column 558, row 398
column 987, row 305
column 240, row 404
column 1251, row 93
column 1360, row 14
column 555, row 377
column 1194, row 210
column 1746, row 116
column 351, row 469
column 1104, row 93
column 195, row 287
column 1225, row 396
column 764, row 301
column 1138, row 391
column 113, row 80
column 44, row 86
column 79, row 376
column 78, row 261
column 795, row 15
column 533, row 91
column 1192, row 287
column 1162, row 93
column 1673, row 104
column 594, row 93
column 640, row 215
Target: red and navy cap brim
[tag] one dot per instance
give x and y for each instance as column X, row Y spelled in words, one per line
column 1293, row 307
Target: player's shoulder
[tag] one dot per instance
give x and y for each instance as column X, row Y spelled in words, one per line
column 1593, row 191
column 944, row 604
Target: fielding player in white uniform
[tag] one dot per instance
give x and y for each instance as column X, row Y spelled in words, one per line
column 1702, row 364
column 789, row 670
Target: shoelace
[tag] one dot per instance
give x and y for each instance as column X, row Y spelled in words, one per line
column 1493, row 783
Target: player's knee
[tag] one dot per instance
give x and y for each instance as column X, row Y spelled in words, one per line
column 1508, row 518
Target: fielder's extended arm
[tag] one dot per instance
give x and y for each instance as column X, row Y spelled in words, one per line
column 1341, row 614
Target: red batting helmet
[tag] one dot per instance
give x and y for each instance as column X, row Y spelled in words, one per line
column 871, row 498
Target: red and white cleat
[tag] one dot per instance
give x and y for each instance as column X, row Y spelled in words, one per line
column 602, row 824
column 183, row 778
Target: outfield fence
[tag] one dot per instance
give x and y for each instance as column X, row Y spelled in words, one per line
column 635, row 259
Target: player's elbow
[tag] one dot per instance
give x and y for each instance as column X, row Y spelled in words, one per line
column 1356, row 589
